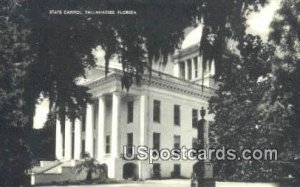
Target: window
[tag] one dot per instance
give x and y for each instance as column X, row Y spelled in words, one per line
column 176, row 173
column 196, row 66
column 176, row 142
column 73, row 140
column 156, row 171
column 156, row 111
column 195, row 118
column 82, row 145
column 176, row 114
column 194, row 143
column 182, row 70
column 107, row 144
column 156, row 141
column 129, row 144
column 130, row 112
column 189, row 66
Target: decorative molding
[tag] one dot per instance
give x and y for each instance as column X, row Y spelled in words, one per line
column 185, row 52
column 161, row 80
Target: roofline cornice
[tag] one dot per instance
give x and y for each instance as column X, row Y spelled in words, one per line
column 185, row 52
column 164, row 81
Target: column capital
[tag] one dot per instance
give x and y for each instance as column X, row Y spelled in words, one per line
column 101, row 96
column 117, row 93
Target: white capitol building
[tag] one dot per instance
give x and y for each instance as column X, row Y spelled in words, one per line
column 160, row 113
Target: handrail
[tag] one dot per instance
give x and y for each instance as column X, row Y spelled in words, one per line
column 51, row 167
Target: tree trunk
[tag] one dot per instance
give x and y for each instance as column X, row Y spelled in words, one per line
column 89, row 176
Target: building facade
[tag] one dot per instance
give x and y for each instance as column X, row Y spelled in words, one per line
column 162, row 112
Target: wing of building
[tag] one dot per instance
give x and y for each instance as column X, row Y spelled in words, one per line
column 162, row 112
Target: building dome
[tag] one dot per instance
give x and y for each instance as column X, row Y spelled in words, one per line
column 99, row 54
column 192, row 37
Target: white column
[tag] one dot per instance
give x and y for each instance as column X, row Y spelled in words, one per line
column 101, row 128
column 58, row 141
column 89, row 136
column 77, row 139
column 116, row 100
column 143, row 128
column 186, row 76
column 213, row 70
column 200, row 67
column 176, row 70
column 207, row 68
column 143, row 119
column 68, row 140
column 193, row 67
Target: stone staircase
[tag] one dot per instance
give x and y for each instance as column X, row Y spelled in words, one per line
column 55, row 171
column 47, row 167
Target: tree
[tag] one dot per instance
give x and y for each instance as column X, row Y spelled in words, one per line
column 265, row 113
column 222, row 20
column 60, row 46
column 138, row 40
column 237, row 122
column 62, row 51
column 14, row 58
column 281, row 106
column 58, row 64
column 90, row 166
column 44, row 149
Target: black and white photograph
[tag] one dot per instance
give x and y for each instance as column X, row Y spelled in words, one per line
column 150, row 93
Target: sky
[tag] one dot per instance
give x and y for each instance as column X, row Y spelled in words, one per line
column 258, row 24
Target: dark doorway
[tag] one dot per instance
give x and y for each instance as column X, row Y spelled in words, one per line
column 176, row 173
column 156, row 171
column 130, row 170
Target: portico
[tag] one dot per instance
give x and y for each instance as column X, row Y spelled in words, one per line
column 90, row 138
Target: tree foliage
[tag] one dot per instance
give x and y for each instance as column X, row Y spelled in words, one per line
column 238, row 124
column 62, row 45
column 61, row 50
column 222, row 20
column 265, row 113
column 137, row 40
column 14, row 50
column 91, row 167
column 44, row 149
column 281, row 106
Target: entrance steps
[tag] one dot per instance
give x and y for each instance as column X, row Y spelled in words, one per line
column 55, row 171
